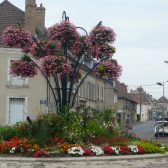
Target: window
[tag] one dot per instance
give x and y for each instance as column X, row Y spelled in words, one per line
column 97, row 92
column 115, row 99
column 14, row 80
column 101, row 93
column 88, row 90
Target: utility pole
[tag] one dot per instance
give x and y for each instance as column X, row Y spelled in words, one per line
column 140, row 102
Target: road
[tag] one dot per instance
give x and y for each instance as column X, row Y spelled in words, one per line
column 144, row 130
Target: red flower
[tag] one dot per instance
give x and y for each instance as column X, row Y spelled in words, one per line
column 40, row 152
column 108, row 150
column 124, row 149
column 87, row 152
column 140, row 149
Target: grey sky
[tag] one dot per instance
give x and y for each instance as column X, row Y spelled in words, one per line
column 142, row 34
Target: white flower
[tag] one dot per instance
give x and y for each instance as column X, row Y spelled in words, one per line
column 116, row 149
column 97, row 150
column 12, row 150
column 133, row 148
column 76, row 151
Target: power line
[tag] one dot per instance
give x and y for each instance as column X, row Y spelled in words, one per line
column 142, row 85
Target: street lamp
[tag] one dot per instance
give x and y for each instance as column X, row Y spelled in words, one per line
column 162, row 84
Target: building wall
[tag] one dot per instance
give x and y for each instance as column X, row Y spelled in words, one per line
column 33, row 91
column 144, row 111
column 110, row 97
column 91, row 93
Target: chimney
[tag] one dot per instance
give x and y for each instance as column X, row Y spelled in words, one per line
column 30, row 11
column 40, row 17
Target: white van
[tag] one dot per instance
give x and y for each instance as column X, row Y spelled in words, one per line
column 161, row 128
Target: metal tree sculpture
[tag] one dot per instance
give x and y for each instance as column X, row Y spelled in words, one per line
column 61, row 54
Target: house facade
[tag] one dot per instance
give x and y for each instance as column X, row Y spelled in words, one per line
column 144, row 104
column 19, row 97
column 28, row 97
column 126, row 106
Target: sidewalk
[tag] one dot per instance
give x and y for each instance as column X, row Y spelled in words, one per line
column 125, row 161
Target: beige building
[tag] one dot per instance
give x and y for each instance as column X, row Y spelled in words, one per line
column 126, row 106
column 27, row 97
column 97, row 94
column 19, row 97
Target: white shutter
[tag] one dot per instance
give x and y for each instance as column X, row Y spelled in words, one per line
column 16, row 109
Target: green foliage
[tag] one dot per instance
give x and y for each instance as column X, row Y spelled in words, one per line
column 22, row 129
column 96, row 129
column 75, row 126
column 150, row 147
column 7, row 132
column 106, row 117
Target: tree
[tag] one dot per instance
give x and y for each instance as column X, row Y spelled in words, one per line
column 60, row 54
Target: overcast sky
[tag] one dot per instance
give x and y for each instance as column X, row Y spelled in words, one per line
column 142, row 34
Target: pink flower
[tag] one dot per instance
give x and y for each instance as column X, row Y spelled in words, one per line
column 52, row 64
column 64, row 32
column 17, row 37
column 23, row 68
column 108, row 69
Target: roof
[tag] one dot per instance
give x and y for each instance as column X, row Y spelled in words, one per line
column 10, row 15
column 162, row 100
column 123, row 93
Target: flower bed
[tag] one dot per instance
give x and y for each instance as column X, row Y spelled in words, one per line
column 23, row 147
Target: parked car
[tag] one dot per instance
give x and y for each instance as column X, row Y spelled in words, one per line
column 161, row 128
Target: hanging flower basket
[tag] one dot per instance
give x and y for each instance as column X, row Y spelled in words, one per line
column 100, row 51
column 101, row 35
column 46, row 48
column 17, row 37
column 108, row 70
column 64, row 32
column 23, row 68
column 52, row 65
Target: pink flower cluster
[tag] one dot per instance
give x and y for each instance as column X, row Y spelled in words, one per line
column 108, row 69
column 52, row 65
column 23, row 68
column 64, row 32
column 99, row 42
column 47, row 48
column 101, row 35
column 17, row 37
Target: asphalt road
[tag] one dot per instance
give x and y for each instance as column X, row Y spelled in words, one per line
column 144, row 130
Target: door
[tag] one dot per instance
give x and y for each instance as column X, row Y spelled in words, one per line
column 16, row 110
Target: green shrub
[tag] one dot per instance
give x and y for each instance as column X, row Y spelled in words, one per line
column 95, row 129
column 45, row 127
column 150, row 147
column 7, row 132
column 22, row 129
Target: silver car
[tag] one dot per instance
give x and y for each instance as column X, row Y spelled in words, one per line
column 161, row 128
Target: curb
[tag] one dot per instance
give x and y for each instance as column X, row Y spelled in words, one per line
column 89, row 158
